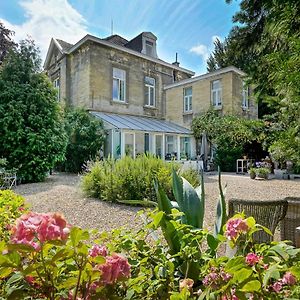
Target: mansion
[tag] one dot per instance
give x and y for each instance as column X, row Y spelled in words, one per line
column 146, row 104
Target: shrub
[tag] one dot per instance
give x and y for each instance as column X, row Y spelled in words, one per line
column 191, row 175
column 262, row 172
column 12, row 206
column 86, row 137
column 128, row 178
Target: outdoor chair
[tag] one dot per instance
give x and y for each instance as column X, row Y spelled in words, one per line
column 7, row 179
column 291, row 220
column 266, row 213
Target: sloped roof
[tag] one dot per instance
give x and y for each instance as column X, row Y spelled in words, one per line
column 64, row 45
column 116, row 39
column 138, row 123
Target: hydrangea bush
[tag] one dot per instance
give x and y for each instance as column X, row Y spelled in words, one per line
column 46, row 258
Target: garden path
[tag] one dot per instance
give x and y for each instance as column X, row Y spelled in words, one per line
column 61, row 192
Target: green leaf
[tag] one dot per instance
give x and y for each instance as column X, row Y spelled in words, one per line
column 145, row 203
column 251, row 286
column 242, row 275
column 157, row 218
column 273, row 273
column 212, row 242
column 20, row 247
column 221, row 215
column 177, row 188
column 193, row 206
column 164, row 204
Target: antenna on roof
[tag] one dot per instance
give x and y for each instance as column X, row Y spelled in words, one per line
column 176, row 63
column 112, row 26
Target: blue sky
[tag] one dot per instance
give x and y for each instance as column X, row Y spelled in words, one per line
column 184, row 26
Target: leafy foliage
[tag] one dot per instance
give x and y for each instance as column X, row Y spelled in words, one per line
column 61, row 264
column 12, row 206
column 57, row 262
column 31, row 125
column 265, row 44
column 86, row 138
column 230, row 134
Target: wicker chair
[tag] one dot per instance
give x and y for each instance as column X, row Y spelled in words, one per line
column 291, row 220
column 266, row 213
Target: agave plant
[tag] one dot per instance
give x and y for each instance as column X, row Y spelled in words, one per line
column 191, row 203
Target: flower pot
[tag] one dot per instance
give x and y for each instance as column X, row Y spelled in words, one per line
column 252, row 175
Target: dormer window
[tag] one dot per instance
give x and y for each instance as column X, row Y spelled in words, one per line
column 149, row 48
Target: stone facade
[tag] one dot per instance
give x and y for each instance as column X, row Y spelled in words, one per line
column 231, row 91
column 86, row 78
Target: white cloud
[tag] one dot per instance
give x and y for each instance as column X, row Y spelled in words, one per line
column 205, row 50
column 46, row 19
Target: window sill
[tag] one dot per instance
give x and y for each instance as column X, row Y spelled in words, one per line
column 244, row 108
column 219, row 107
column 119, row 102
column 150, row 106
column 187, row 113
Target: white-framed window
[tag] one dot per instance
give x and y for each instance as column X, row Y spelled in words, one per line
column 119, row 85
column 187, row 99
column 150, row 91
column 245, row 96
column 56, row 84
column 216, row 93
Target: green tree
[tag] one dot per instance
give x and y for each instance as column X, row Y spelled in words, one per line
column 265, row 44
column 230, row 134
column 31, row 124
column 6, row 42
column 86, row 138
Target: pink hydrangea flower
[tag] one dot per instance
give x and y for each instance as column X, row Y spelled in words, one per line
column 35, row 228
column 252, row 259
column 115, row 268
column 96, row 250
column 277, row 286
column 234, row 227
column 216, row 278
column 289, row 279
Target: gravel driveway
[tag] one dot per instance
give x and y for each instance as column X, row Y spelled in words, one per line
column 61, row 192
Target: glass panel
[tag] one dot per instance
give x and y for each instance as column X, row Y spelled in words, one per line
column 214, row 96
column 116, row 144
column 188, row 91
column 190, row 104
column 158, row 145
column 149, row 81
column 146, row 143
column 151, row 96
column 122, row 91
column 117, row 73
column 129, row 144
column 115, row 89
column 216, row 84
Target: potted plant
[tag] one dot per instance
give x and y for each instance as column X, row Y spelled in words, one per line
column 263, row 172
column 252, row 173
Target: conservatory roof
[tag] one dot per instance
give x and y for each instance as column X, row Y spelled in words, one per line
column 139, row 123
